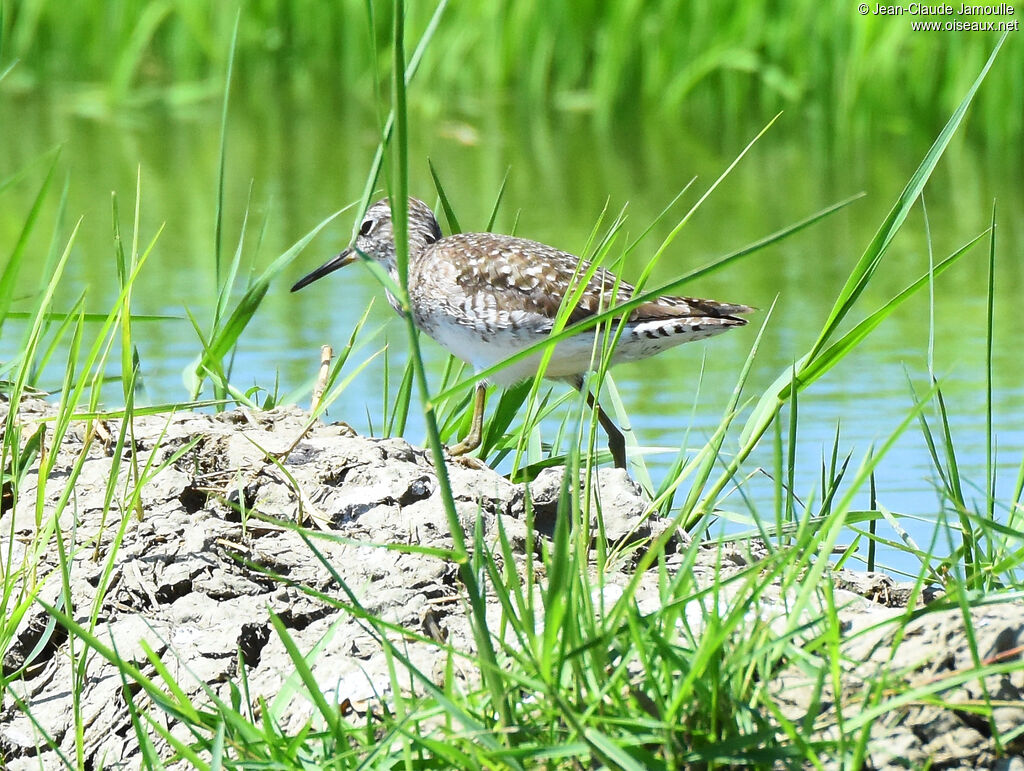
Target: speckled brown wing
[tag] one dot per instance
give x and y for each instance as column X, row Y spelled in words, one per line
column 534, row 277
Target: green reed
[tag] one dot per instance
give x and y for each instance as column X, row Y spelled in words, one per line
column 667, row 58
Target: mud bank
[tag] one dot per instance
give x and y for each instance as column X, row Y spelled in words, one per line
column 199, row 575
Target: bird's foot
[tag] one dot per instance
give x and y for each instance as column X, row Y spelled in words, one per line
column 470, row 462
column 459, row 452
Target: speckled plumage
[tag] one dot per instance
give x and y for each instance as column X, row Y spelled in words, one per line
column 484, row 297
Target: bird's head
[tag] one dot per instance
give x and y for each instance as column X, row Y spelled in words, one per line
column 376, row 239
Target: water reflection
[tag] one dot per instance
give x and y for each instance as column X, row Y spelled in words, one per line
column 301, row 163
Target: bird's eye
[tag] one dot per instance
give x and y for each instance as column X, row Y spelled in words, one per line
column 366, row 228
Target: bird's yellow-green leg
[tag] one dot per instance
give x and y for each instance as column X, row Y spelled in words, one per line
column 472, row 441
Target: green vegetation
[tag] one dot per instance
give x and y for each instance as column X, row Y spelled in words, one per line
column 666, row 60
column 560, row 685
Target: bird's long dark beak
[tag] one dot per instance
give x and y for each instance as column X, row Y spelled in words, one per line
column 340, row 261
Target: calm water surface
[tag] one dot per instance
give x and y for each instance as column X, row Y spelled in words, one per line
column 303, row 162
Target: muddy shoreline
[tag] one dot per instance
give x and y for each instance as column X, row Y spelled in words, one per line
column 199, row 575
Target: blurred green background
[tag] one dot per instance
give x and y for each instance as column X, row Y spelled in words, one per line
column 584, row 105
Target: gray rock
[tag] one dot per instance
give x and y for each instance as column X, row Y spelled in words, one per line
column 1016, row 763
column 618, row 506
column 215, row 559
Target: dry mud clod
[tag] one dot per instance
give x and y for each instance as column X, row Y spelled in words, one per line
column 198, row 577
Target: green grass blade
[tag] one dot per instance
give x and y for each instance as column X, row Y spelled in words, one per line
column 91, row 318
column 868, row 263
column 328, row 712
column 497, row 202
column 227, row 336
column 9, row 276
column 990, row 468
column 410, row 73
column 223, row 151
column 399, row 210
column 859, row 277
column 446, row 206
column 838, row 350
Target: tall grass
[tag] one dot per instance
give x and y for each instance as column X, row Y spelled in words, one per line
column 667, row 58
column 575, row 674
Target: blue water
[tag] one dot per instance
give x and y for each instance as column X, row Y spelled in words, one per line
column 564, row 172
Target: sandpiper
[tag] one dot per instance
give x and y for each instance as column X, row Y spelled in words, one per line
column 485, row 296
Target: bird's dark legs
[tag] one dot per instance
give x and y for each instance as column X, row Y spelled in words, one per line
column 616, row 441
column 472, row 441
